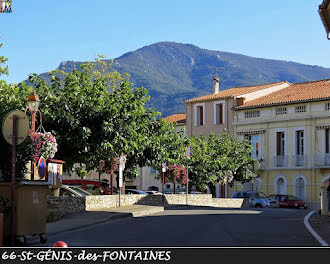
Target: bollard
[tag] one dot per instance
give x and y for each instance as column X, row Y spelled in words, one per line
column 60, row 244
column 324, row 202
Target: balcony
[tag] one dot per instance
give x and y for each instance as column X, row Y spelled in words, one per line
column 281, row 161
column 321, row 160
column 299, row 161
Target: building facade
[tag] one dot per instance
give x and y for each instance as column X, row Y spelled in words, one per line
column 289, row 133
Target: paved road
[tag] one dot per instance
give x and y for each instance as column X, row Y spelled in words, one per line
column 197, row 226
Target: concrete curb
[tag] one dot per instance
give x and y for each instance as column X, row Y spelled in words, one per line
column 311, row 230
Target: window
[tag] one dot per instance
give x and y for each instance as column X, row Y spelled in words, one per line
column 300, row 109
column 219, row 114
column 199, row 115
column 252, row 114
column 299, row 148
column 254, row 141
column 300, row 188
column 280, row 186
column 327, row 106
column 327, row 147
column 280, row 160
column 281, row 111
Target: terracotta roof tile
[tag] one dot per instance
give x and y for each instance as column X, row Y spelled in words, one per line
column 178, row 118
column 236, row 91
column 297, row 92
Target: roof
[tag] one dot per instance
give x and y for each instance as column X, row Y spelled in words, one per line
column 178, row 118
column 236, row 91
column 295, row 93
column 324, row 11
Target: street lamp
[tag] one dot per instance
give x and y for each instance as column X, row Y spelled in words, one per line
column 33, row 105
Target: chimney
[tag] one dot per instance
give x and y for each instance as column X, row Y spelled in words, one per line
column 215, row 85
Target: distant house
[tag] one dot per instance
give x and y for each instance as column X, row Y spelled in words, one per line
column 324, row 11
column 289, row 131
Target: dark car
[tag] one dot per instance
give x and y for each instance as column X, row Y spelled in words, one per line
column 288, row 201
column 134, row 191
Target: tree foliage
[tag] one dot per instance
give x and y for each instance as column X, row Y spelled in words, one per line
column 217, row 159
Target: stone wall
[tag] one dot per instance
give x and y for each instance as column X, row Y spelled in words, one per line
column 59, row 206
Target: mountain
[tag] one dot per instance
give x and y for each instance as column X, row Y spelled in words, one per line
column 174, row 72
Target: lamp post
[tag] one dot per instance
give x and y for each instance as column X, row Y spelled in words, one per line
column 33, row 105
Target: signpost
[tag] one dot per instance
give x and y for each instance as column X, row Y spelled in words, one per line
column 15, row 129
column 42, row 167
column 163, row 178
column 188, row 156
column 122, row 161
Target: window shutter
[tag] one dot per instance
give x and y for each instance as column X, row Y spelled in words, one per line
column 201, row 116
column 221, row 114
column 278, row 143
column 327, row 140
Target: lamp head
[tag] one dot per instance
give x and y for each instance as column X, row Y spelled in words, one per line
column 33, row 102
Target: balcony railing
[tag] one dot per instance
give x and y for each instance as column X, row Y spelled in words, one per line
column 281, row 161
column 299, row 161
column 321, row 160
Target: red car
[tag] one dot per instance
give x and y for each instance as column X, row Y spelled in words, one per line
column 93, row 187
column 288, row 201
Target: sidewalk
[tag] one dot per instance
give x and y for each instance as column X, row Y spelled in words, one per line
column 321, row 225
column 75, row 221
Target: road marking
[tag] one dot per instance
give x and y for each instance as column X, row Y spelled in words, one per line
column 310, row 229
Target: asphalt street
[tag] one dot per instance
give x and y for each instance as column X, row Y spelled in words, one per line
column 196, row 227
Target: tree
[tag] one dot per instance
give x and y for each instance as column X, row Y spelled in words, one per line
column 217, row 159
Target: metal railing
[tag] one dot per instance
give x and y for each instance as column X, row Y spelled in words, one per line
column 281, row 161
column 321, row 160
column 299, row 160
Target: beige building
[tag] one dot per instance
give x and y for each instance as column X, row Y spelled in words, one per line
column 289, row 132
column 215, row 112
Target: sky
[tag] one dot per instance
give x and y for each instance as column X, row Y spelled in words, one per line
column 40, row 34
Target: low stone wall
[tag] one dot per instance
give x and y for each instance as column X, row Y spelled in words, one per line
column 59, row 206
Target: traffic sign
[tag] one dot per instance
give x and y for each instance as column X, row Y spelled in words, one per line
column 22, row 127
column 188, row 152
column 42, row 167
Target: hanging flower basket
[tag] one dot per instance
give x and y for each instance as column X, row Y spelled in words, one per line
column 177, row 174
column 110, row 165
column 43, row 144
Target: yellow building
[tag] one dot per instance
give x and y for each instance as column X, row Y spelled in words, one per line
column 289, row 132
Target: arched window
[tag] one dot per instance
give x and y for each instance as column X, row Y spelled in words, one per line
column 300, row 188
column 280, row 186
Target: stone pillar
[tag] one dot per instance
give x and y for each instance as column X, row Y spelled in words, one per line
column 217, row 190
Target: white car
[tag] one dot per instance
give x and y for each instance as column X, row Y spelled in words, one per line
column 73, row 191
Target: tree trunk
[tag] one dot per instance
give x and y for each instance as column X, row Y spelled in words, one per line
column 212, row 189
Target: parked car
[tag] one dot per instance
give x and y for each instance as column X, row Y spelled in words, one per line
column 93, row 187
column 72, row 191
column 288, row 201
column 134, row 191
column 256, row 199
column 152, row 192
